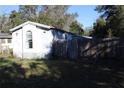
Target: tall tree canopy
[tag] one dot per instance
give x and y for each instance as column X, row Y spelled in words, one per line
column 99, row 29
column 3, row 22
column 28, row 12
column 15, row 19
column 114, row 16
column 55, row 15
column 76, row 28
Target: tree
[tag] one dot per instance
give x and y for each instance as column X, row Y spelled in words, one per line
column 54, row 15
column 88, row 31
column 76, row 28
column 58, row 16
column 69, row 19
column 100, row 29
column 4, row 23
column 45, row 19
column 15, row 18
column 28, row 12
column 114, row 16
column 55, row 12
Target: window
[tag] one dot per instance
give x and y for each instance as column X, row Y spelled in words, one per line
column 2, row 40
column 9, row 40
column 29, row 39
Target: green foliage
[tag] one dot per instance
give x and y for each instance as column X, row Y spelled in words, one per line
column 88, row 31
column 44, row 19
column 76, row 28
column 114, row 15
column 60, row 23
column 28, row 12
column 4, row 23
column 54, row 15
column 15, row 19
column 17, row 73
column 109, row 33
column 99, row 28
column 58, row 16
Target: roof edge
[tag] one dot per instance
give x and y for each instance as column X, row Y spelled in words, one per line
column 29, row 22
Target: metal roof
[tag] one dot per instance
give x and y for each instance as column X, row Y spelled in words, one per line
column 29, row 22
column 5, row 36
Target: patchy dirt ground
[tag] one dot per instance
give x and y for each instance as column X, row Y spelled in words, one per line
column 61, row 73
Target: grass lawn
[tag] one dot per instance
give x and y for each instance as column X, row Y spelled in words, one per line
column 61, row 73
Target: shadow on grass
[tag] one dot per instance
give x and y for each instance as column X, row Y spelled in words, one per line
column 64, row 73
column 90, row 73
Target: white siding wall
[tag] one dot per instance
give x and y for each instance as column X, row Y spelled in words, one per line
column 17, row 43
column 42, row 42
column 41, row 39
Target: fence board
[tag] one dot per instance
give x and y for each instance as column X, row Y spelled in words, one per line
column 83, row 47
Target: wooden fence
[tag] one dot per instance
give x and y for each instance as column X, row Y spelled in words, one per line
column 84, row 47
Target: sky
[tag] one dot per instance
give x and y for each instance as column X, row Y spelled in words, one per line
column 86, row 13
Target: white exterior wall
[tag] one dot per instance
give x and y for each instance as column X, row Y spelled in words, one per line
column 41, row 40
column 17, row 43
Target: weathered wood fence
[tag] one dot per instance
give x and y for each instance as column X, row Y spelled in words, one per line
column 93, row 48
